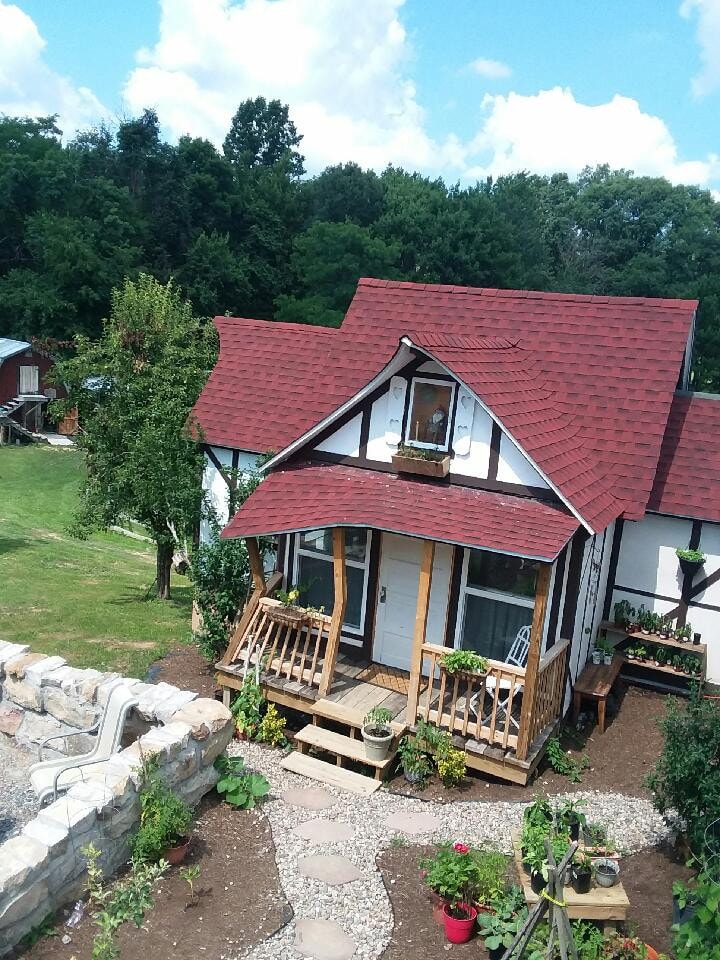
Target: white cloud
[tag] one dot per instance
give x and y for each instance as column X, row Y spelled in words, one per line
column 492, row 69
column 340, row 65
column 552, row 131
column 28, row 87
column 708, row 34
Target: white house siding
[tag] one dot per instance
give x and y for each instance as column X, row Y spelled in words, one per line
column 648, row 573
column 214, row 484
column 345, row 440
column 513, row 467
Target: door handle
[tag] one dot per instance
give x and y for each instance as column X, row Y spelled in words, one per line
column 383, row 594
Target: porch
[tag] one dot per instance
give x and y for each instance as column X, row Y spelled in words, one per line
column 502, row 719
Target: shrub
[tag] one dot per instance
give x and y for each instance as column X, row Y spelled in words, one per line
column 240, row 790
column 272, row 727
column 699, row 937
column 686, row 777
column 451, row 766
column 466, row 661
column 164, row 818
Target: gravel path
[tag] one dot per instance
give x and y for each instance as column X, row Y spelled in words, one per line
column 362, row 907
column 18, row 802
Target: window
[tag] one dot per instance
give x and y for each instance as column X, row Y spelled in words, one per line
column 497, row 598
column 28, row 379
column 428, row 422
column 314, row 572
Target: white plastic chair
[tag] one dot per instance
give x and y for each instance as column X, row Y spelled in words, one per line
column 49, row 777
column 517, row 657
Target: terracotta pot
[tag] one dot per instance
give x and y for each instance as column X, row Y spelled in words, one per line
column 438, row 906
column 459, row 931
column 652, row 954
column 176, row 854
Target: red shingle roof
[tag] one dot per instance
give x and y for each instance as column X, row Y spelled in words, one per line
column 511, row 384
column 687, row 483
column 306, row 496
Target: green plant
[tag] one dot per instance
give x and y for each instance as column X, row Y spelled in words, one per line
column 414, row 759
column 460, row 874
column 418, row 453
column 398, row 841
column 621, row 947
column 595, row 834
column 603, row 644
column 289, row 597
column 569, row 811
column 699, row 937
column 589, row 940
column 499, row 928
column 377, row 721
column 164, row 818
column 430, row 737
column 686, row 777
column 539, row 813
column 240, row 790
column 623, row 612
column 190, row 875
column 693, row 556
column 451, row 766
column 464, row 661
column 247, row 707
column 490, row 870
column 272, row 727
column 46, row 928
column 563, row 763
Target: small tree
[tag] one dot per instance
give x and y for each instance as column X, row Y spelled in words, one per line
column 134, row 389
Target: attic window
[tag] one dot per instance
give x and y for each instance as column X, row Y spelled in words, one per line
column 428, row 422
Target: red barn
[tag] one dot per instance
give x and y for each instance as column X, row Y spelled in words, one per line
column 24, row 390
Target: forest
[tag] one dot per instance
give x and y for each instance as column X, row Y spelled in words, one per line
column 244, row 230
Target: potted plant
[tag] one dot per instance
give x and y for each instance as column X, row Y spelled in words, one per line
column 685, row 633
column 452, row 875
column 489, row 881
column 421, row 462
column 246, row 709
column 678, row 663
column 289, row 612
column 377, row 733
column 537, row 859
column 623, row 613
column 621, row 947
column 539, row 813
column 464, row 661
column 607, row 871
column 690, row 561
column 630, row 653
column 581, row 872
column 165, row 821
column 571, row 818
column 415, row 762
column 641, row 652
column 597, row 656
column 606, row 649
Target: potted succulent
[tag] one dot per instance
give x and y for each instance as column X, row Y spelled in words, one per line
column 581, row 872
column 377, row 733
column 690, row 561
column 607, row 871
column 464, row 661
column 414, row 760
column 420, row 461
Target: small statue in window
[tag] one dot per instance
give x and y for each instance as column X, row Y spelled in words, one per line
column 435, row 426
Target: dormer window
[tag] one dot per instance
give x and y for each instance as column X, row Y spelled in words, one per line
column 428, row 421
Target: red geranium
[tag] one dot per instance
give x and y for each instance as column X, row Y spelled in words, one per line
column 461, row 848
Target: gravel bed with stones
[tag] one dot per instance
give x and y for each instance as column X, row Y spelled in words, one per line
column 18, row 802
column 361, row 906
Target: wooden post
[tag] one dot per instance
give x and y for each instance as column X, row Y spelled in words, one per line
column 338, row 614
column 533, row 661
column 260, row 590
column 256, row 564
column 421, row 615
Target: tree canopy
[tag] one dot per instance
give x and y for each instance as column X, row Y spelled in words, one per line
column 242, row 231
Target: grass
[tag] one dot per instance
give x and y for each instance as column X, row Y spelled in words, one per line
column 85, row 600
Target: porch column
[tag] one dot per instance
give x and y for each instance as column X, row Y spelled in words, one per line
column 259, row 590
column 421, row 615
column 338, row 614
column 533, row 660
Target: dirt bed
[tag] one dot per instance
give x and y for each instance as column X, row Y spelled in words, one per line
column 239, row 901
column 186, row 668
column 647, row 876
column 620, row 758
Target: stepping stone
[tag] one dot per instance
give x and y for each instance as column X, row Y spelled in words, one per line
column 332, row 869
column 312, row 798
column 323, row 940
column 414, row 823
column 324, row 831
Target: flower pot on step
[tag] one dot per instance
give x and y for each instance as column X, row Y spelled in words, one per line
column 176, row 854
column 377, row 742
column 459, row 929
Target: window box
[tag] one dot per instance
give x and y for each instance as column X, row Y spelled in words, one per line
column 289, row 614
column 420, row 466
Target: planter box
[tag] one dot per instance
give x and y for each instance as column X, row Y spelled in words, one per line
column 422, row 468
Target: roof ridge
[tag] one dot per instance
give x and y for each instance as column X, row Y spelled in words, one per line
column 278, row 324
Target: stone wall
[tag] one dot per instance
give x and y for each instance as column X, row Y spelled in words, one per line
column 43, row 868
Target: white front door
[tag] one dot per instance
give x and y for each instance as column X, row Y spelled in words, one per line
column 397, row 598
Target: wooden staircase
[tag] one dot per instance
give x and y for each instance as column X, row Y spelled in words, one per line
column 343, row 747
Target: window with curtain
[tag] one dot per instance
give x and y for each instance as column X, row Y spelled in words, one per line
column 29, row 380
column 314, row 572
column 429, row 408
column 497, row 598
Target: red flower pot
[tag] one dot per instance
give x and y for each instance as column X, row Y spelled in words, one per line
column 459, row 931
column 652, row 954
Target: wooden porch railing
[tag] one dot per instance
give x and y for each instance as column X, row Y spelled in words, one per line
column 549, row 690
column 462, row 703
column 282, row 648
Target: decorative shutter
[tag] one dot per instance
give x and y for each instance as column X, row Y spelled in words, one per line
column 395, row 411
column 464, row 413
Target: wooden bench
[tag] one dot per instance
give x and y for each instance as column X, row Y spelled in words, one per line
column 595, row 683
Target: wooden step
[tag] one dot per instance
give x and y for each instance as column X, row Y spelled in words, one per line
column 342, row 747
column 328, row 773
column 350, row 716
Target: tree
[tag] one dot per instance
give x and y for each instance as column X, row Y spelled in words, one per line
column 134, row 389
column 262, row 134
column 346, row 192
column 213, row 277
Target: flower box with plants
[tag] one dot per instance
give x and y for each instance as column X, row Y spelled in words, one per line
column 422, row 462
column 289, row 612
column 377, row 733
column 464, row 662
column 690, row 560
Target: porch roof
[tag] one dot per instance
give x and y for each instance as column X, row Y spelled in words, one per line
column 308, row 496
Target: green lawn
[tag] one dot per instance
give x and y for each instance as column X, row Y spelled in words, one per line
column 82, row 599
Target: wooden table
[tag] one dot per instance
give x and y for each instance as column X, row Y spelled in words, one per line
column 608, row 905
column 595, row 683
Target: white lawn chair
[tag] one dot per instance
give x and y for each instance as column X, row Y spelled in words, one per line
column 49, row 777
column 516, row 658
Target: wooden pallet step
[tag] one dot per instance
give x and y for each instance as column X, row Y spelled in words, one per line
column 339, row 745
column 328, row 773
column 350, row 716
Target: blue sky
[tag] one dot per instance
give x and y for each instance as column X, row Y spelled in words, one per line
column 461, row 88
